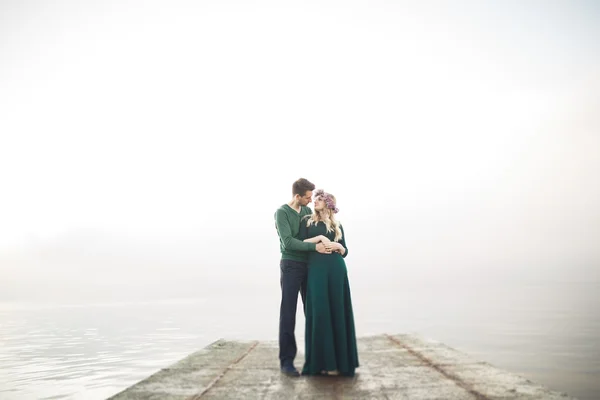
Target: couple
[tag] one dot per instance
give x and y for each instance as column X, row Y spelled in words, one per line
column 313, row 247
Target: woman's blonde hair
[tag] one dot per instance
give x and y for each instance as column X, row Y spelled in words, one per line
column 327, row 216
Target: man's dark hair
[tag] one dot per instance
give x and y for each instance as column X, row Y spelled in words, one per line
column 301, row 186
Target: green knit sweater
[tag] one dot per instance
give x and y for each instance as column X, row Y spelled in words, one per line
column 287, row 222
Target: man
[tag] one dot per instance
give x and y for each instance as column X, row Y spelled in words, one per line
column 293, row 266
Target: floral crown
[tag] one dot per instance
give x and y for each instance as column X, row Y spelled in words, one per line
column 329, row 202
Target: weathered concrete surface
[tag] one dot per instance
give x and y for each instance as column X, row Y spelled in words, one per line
column 392, row 367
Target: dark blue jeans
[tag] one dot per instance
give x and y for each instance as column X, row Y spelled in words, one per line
column 293, row 280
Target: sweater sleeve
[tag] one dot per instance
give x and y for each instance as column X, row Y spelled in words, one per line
column 343, row 241
column 285, row 233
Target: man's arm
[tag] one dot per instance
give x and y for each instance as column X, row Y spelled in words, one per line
column 285, row 233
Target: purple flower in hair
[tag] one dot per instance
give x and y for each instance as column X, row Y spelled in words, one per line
column 329, row 203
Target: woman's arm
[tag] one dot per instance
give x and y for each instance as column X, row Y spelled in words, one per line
column 322, row 243
column 340, row 246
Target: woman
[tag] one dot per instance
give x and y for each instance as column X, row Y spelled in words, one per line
column 330, row 338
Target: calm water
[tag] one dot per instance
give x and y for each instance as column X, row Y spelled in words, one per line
column 549, row 333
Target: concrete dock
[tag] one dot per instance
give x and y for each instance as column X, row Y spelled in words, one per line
column 391, row 367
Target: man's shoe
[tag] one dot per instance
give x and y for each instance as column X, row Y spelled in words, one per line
column 289, row 370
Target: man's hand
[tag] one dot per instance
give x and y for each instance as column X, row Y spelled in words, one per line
column 322, row 249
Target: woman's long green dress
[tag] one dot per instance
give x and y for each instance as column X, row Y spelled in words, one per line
column 330, row 338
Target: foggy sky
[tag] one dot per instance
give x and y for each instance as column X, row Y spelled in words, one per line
column 147, row 143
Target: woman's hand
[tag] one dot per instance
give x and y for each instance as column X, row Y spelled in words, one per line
column 337, row 247
column 324, row 239
column 319, row 239
column 327, row 243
